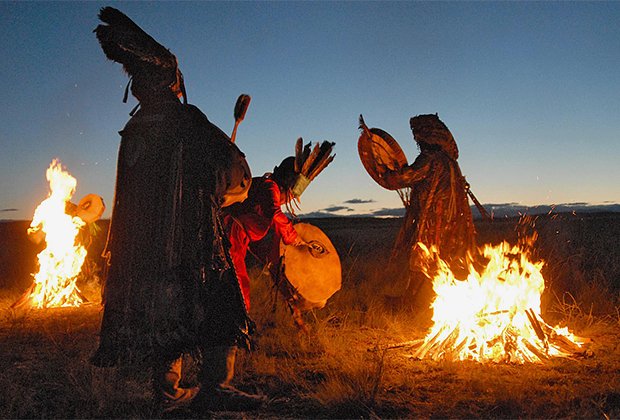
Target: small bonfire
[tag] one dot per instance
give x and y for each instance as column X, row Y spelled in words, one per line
column 493, row 315
column 56, row 222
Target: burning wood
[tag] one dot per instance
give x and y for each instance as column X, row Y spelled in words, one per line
column 493, row 315
column 61, row 260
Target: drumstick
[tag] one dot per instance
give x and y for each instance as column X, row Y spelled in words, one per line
column 241, row 107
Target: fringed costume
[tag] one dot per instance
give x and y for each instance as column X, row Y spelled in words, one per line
column 170, row 286
column 434, row 193
column 438, row 213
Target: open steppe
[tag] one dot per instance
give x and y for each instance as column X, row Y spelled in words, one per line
column 336, row 370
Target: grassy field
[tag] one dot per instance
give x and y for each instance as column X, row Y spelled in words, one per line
column 339, row 369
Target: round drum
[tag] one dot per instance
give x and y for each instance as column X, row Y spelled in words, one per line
column 90, row 208
column 379, row 153
column 237, row 175
column 312, row 272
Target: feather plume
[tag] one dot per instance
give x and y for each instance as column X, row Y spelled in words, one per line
column 326, row 148
column 125, row 42
column 305, row 154
column 298, row 154
column 309, row 162
column 324, row 161
column 312, row 160
column 363, row 126
column 305, row 169
column 150, row 65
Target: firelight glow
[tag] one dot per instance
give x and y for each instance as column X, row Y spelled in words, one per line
column 61, row 261
column 493, row 316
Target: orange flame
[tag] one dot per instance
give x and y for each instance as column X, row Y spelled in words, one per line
column 493, row 315
column 61, row 261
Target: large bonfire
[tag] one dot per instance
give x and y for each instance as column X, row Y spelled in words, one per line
column 494, row 314
column 61, row 260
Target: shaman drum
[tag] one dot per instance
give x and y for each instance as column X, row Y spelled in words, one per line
column 308, row 276
column 90, row 208
column 379, row 153
column 237, row 175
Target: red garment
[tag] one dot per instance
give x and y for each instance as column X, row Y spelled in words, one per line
column 251, row 220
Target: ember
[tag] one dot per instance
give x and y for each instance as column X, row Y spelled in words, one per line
column 61, row 261
column 493, row 315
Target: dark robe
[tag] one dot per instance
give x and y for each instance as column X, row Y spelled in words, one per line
column 170, row 285
column 439, row 213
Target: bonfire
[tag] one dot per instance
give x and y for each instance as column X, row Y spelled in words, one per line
column 494, row 314
column 56, row 222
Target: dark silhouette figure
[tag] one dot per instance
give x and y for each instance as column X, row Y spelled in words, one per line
column 170, row 284
column 438, row 214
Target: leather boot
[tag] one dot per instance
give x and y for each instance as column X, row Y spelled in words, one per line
column 217, row 393
column 169, row 394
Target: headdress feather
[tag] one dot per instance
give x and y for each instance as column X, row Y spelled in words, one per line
column 150, row 65
column 314, row 159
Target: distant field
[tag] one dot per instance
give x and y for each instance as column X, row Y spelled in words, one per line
column 589, row 241
column 335, row 371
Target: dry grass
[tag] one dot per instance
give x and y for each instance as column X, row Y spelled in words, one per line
column 339, row 369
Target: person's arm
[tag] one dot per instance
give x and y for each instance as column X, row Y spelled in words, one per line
column 281, row 224
column 410, row 175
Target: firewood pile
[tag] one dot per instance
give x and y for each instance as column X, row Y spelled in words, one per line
column 540, row 342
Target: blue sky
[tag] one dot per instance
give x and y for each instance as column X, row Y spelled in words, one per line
column 529, row 90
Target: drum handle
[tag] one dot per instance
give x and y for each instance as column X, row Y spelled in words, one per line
column 317, row 249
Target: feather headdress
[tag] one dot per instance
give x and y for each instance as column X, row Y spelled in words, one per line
column 309, row 162
column 152, row 68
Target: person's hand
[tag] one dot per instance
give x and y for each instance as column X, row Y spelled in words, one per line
column 389, row 171
column 300, row 242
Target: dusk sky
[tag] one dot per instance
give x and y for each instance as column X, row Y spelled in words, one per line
column 530, row 91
